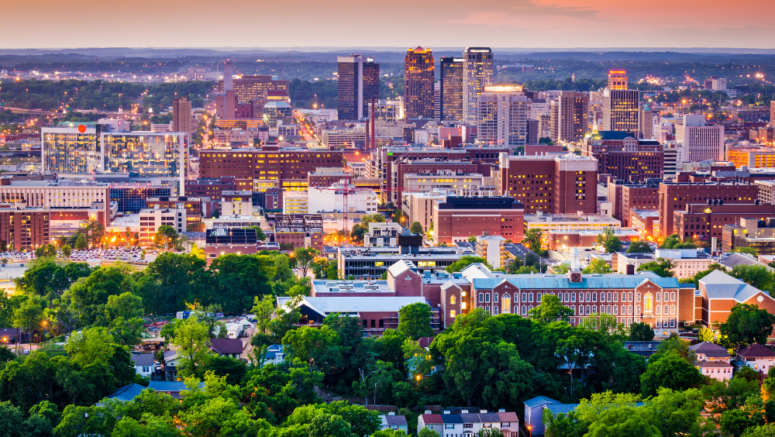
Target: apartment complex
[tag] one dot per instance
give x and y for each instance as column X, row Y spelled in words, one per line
column 625, row 157
column 458, row 218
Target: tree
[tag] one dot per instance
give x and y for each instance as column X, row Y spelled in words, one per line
column 597, row 265
column 622, row 421
column 426, row 432
column 90, row 346
column 415, row 320
column 305, row 256
column 550, row 310
column 166, row 236
column 399, row 217
column 80, row 242
column 260, row 236
column 639, row 247
column 94, row 232
column 746, row 324
column 671, row 241
column 532, row 240
column 607, row 325
column 465, row 261
column 29, row 315
column 641, row 332
column 238, row 279
column 489, row 432
column 670, row 371
column 767, row 430
column 66, row 251
column 416, row 228
column 193, row 343
column 11, row 421
column 706, row 334
column 746, row 250
column 263, row 310
column 662, row 267
column 609, row 241
column 757, row 275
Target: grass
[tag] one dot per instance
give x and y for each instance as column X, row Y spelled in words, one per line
column 53, row 349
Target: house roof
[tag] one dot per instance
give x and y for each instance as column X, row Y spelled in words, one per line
column 714, row 364
column 126, row 393
column 489, row 417
column 432, row 418
column 470, row 417
column 509, row 416
column 401, row 266
column 142, row 359
column 554, row 282
column 756, row 351
column 395, row 420
column 561, row 408
column 425, row 341
column 168, row 386
column 719, row 285
column 226, row 345
column 538, row 401
column 328, row 305
column 710, row 349
column 451, row 418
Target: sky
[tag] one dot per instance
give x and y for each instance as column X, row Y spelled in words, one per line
column 390, row 23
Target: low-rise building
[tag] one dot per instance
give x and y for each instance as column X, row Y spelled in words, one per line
column 713, row 360
column 576, row 222
column 144, row 364
column 300, row 230
column 466, row 423
column 458, row 218
column 757, row 357
column 382, row 234
column 226, row 347
column 229, row 241
column 394, row 422
column 153, row 218
column 750, row 232
column 719, row 292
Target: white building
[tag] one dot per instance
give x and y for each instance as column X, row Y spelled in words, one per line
column 152, row 218
column 464, row 183
column 328, row 199
column 382, row 234
column 144, row 364
column 236, row 203
column 295, row 202
column 502, row 115
column 718, row 84
column 701, row 142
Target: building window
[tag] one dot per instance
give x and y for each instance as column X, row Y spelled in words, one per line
column 487, row 297
column 530, row 297
column 452, row 300
column 538, row 297
column 602, row 297
column 452, row 314
column 506, row 302
column 481, row 297
column 594, row 297
column 672, row 310
column 648, row 303
column 524, row 310
column 616, row 297
column 581, row 310
column 567, row 297
column 524, row 297
column 672, row 297
column 629, row 297
column 573, row 297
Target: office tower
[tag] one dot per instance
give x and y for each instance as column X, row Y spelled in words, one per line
column 437, row 101
column 358, row 83
column 646, row 121
column 623, row 156
column 252, row 93
column 568, row 116
column 181, row 115
column 621, row 109
column 532, row 131
column 502, row 115
column 772, row 113
column 700, row 142
column 477, row 73
column 617, row 80
column 419, row 72
column 451, row 94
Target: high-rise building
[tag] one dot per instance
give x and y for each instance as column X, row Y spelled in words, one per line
column 254, row 91
column 701, row 142
column 772, row 112
column 419, row 72
column 358, row 83
column 477, row 73
column 502, row 115
column 568, row 116
column 625, row 157
column 646, row 121
column 181, row 115
column 617, row 80
column 451, row 93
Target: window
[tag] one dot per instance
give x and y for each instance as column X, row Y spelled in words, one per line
column 524, row 297
column 602, row 297
column 616, row 297
column 452, row 313
column 481, row 297
column 659, row 297
column 588, row 311
column 573, row 297
column 449, row 426
column 530, row 297
column 452, row 300
column 637, row 310
column 567, row 297
column 607, row 309
column 648, row 303
column 559, row 296
column 616, row 310
column 672, row 296
column 581, row 297
column 594, row 297
column 495, row 310
column 637, row 297
column 538, row 297
column 573, row 308
column 486, row 297
column 524, row 310
column 672, row 310
column 581, row 310
column 629, row 297
column 506, row 302
column 468, row 425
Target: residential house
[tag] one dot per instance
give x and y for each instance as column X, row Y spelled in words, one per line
column 467, row 424
column 227, row 347
column 757, row 357
column 274, row 354
column 391, row 421
column 172, row 388
column 534, row 408
column 713, row 360
column 125, row 393
column 144, row 364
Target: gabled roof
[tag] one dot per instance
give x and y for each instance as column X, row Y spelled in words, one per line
column 168, row 386
column 561, row 408
column 489, row 417
column 538, row 401
column 349, row 305
column 142, row 359
column 401, row 266
column 719, row 285
column 226, row 345
column 126, row 393
column 451, row 418
column 509, row 416
column 395, row 420
column 756, row 351
column 432, row 418
column 709, row 364
column 710, row 350
column 553, row 282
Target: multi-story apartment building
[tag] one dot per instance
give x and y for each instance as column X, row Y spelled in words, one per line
column 700, row 141
column 152, row 218
column 24, row 228
column 254, row 90
column 569, row 115
column 458, row 218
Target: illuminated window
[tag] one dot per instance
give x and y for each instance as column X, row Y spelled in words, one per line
column 452, row 300
column 648, row 303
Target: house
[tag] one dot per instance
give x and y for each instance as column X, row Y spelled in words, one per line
column 757, row 357
column 713, row 360
column 172, row 388
column 469, row 424
column 534, row 408
column 274, row 354
column 227, row 347
column 144, row 364
column 170, row 365
column 125, row 393
column 719, row 292
column 391, row 421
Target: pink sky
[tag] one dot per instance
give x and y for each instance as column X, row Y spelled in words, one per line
column 393, row 23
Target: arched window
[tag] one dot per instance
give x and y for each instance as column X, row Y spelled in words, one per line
column 616, row 310
column 581, row 310
column 524, row 310
column 506, row 302
column 452, row 300
column 629, row 297
column 648, row 303
column 573, row 308
column 672, row 309
column 672, row 296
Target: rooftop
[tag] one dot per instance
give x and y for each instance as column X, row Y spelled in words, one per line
column 719, row 285
column 348, row 305
column 710, row 350
column 756, row 351
column 328, row 286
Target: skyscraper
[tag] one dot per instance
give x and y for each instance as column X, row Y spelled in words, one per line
column 568, row 116
column 419, row 72
column 358, row 83
column 477, row 73
column 502, row 115
column 181, row 115
column 451, row 93
column 621, row 106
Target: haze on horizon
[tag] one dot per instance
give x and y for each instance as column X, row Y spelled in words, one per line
column 348, row 23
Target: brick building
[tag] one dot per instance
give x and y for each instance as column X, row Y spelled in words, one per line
column 24, row 228
column 674, row 196
column 286, row 166
column 327, row 177
column 213, row 187
column 193, row 206
column 720, row 292
column 300, row 230
column 458, row 218
column 229, row 241
column 552, row 184
column 624, row 156
column 626, row 196
column 705, row 221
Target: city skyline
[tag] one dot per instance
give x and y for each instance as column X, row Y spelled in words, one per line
column 493, row 23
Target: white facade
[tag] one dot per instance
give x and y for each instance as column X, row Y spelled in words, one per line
column 237, row 206
column 478, row 72
column 295, row 202
column 700, row 142
column 719, row 84
column 331, row 199
column 502, row 116
column 467, row 183
column 382, row 234
column 152, row 218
